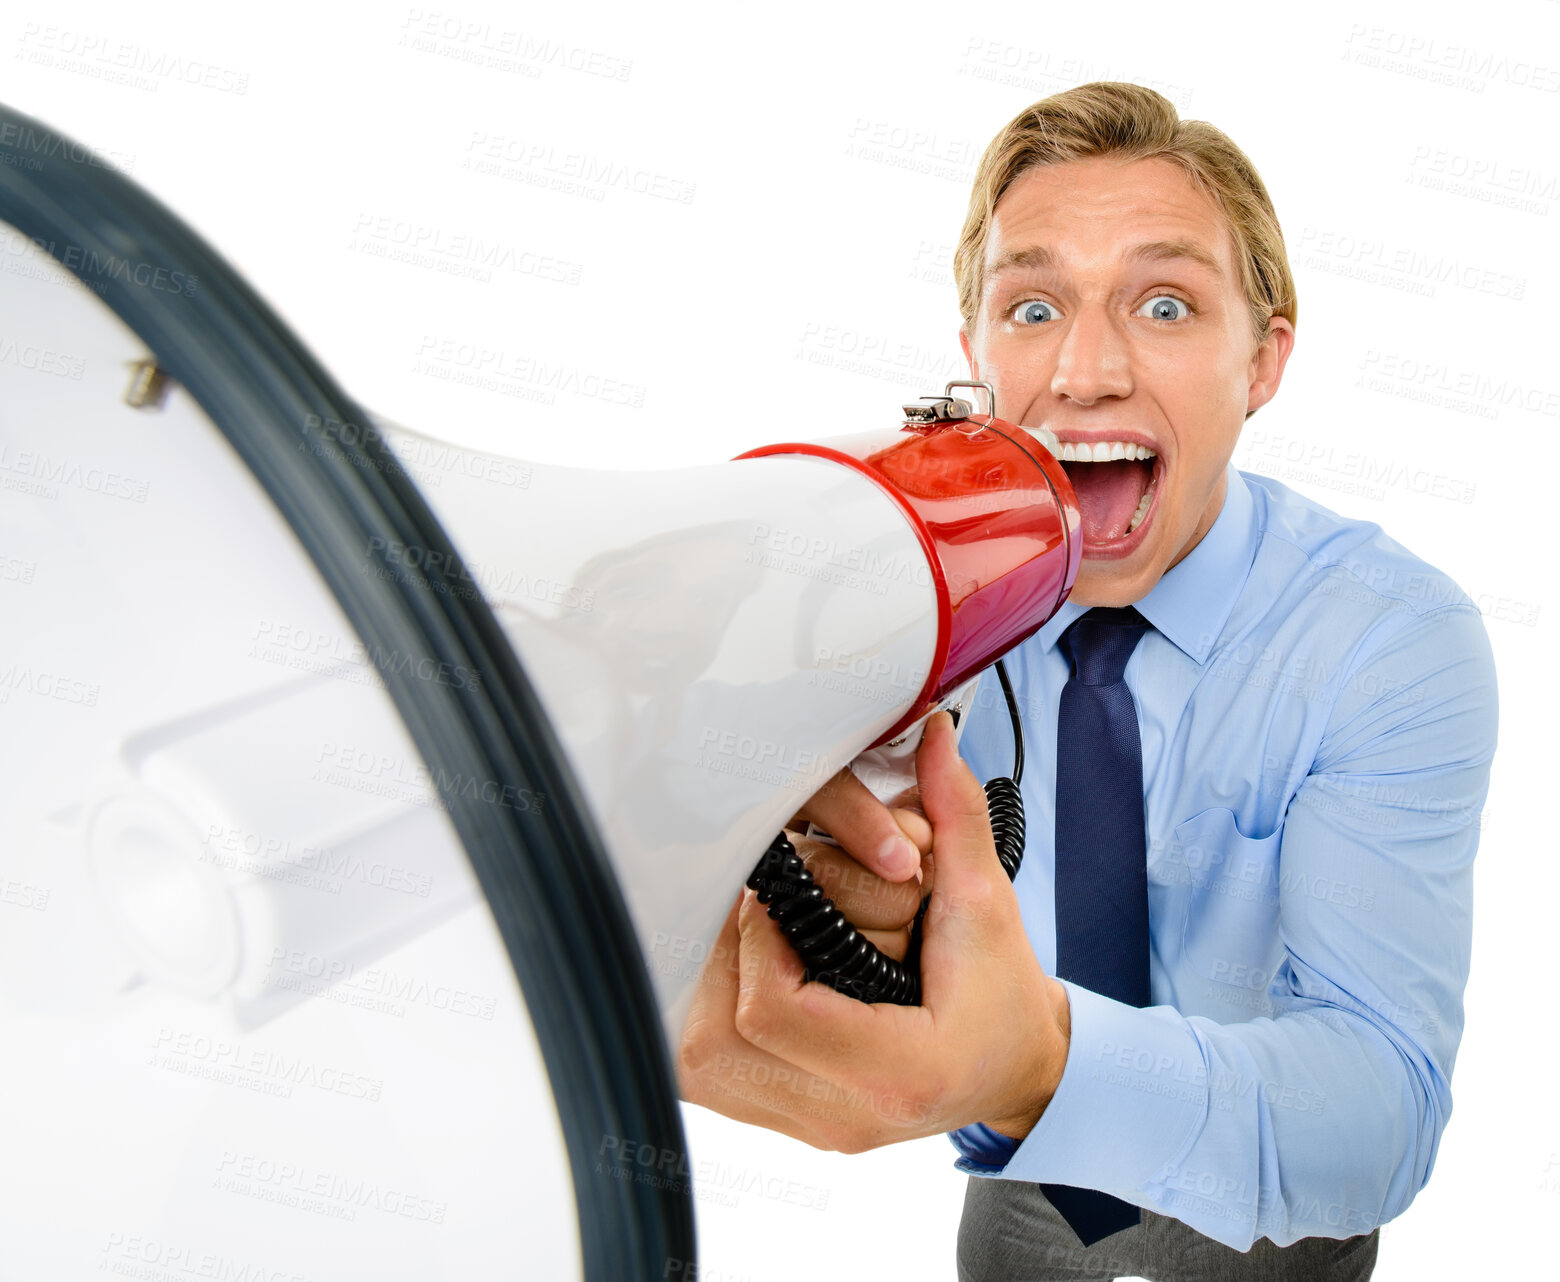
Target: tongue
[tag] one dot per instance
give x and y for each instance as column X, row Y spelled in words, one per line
column 1108, row 495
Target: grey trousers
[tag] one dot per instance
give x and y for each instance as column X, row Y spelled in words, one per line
column 1010, row 1232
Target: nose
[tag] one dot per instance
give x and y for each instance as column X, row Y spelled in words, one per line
column 1092, row 361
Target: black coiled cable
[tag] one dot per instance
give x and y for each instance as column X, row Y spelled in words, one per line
column 832, row 950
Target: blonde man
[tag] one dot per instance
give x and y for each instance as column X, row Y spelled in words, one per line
column 1208, row 1032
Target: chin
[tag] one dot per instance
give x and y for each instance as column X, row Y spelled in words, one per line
column 1110, row 582
column 1110, row 590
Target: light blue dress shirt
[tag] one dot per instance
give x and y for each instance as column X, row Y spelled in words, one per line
column 1317, row 709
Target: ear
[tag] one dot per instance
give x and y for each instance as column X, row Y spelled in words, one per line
column 1267, row 363
column 969, row 354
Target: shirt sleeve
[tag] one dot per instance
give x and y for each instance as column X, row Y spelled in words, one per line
column 1324, row 1119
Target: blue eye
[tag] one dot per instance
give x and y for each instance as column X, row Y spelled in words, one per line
column 1033, row 312
column 1166, row 307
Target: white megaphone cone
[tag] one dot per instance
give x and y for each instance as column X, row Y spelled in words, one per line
column 712, row 644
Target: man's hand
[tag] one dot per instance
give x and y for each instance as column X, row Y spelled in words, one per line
column 880, row 890
column 988, row 1044
column 880, row 893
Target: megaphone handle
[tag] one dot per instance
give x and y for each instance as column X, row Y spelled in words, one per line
column 833, row 951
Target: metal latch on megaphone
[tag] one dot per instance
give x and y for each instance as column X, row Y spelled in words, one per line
column 948, row 408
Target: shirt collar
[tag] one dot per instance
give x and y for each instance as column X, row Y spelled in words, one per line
column 1191, row 604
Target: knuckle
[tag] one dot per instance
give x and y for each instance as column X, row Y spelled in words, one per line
column 864, row 1135
column 752, row 1018
column 823, row 1142
column 697, row 1049
column 853, row 1140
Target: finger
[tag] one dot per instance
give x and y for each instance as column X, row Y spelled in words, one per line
column 826, row 1033
column 717, row 1069
column 891, row 943
column 709, row 1026
column 820, row 1101
column 913, row 823
column 881, row 911
column 868, row 902
column 864, row 826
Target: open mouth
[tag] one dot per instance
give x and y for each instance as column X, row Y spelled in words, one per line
column 1117, row 484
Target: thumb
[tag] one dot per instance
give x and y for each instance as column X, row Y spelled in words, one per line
column 970, row 887
column 953, row 801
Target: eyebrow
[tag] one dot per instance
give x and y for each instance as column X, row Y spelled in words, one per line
column 1042, row 258
column 1157, row 251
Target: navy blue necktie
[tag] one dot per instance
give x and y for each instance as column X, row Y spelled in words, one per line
column 1101, row 852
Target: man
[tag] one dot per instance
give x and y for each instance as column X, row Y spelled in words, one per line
column 1209, row 1030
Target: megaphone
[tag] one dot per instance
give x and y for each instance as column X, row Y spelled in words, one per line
column 713, row 644
column 710, row 644
column 614, row 687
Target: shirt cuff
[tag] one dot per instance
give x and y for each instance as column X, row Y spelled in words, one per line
column 1133, row 1095
column 985, row 1151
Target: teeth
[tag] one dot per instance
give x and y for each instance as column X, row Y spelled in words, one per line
column 1096, row 452
column 1047, row 438
column 1142, row 509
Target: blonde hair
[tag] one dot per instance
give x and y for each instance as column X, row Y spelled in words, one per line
column 1111, row 118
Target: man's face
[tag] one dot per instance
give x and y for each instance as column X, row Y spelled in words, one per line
column 1112, row 314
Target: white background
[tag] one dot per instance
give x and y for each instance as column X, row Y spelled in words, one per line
column 803, row 289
